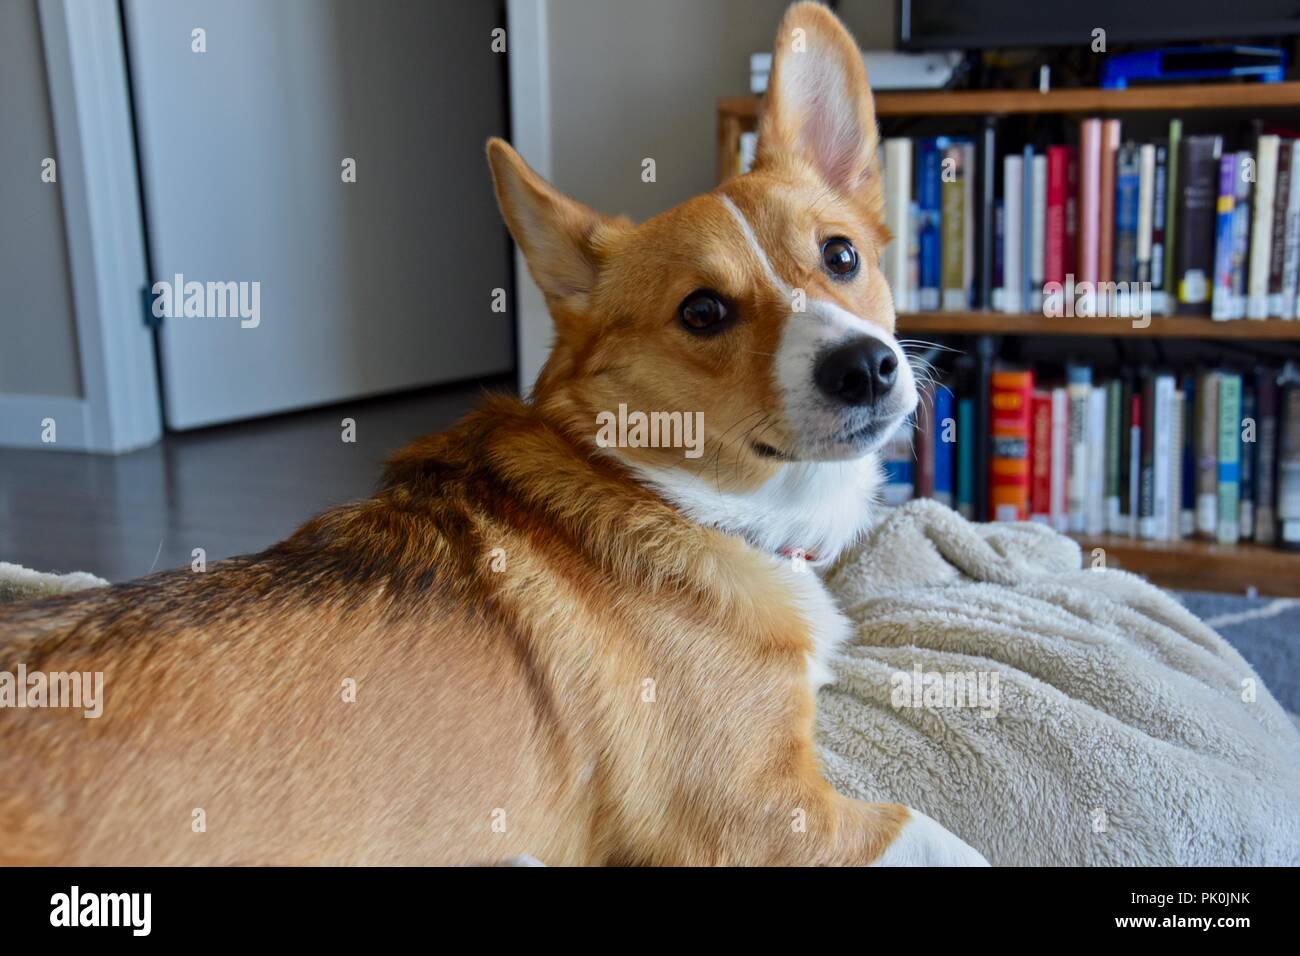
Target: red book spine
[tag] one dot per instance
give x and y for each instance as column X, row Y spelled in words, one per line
column 1058, row 175
column 924, row 445
column 1072, row 210
column 1040, row 451
column 1010, row 399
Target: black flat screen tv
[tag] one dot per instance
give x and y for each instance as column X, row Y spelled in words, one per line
column 989, row 24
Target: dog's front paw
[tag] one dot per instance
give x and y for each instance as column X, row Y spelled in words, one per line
column 922, row 842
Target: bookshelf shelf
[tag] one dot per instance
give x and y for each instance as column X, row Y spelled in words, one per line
column 1212, row 96
column 1202, row 565
column 1176, row 327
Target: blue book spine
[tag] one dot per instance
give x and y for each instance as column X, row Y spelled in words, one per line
column 1027, row 231
column 1222, row 302
column 929, row 201
column 945, row 434
column 966, row 457
column 1128, row 179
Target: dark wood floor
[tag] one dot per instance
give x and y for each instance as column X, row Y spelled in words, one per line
column 230, row 490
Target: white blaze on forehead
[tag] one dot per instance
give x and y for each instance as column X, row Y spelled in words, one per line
column 754, row 246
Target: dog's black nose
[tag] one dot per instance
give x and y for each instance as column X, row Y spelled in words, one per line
column 859, row 373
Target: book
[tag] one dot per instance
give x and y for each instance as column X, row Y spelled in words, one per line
column 1110, row 136
column 1059, row 458
column 1146, row 486
column 1207, row 454
column 1159, row 234
column 968, row 224
column 897, row 459
column 929, row 201
column 953, row 226
column 1176, row 419
column 898, row 209
column 1288, row 458
column 1228, row 530
column 1246, row 497
column 1146, row 212
column 1114, row 436
column 923, row 448
column 1010, row 425
column 1054, row 221
column 1277, row 241
column 1095, row 506
column 1162, row 458
column 1198, row 196
column 1172, row 199
column 1037, row 232
column 1265, row 457
column 1040, row 450
column 1187, row 446
column 1241, row 233
column 1135, row 461
column 1261, row 230
column 988, row 169
column 1013, row 198
column 1089, row 200
column 1289, row 308
column 966, row 458
column 983, row 396
column 944, row 437
column 1079, row 385
column 1027, row 216
column 1128, row 179
column 1221, row 295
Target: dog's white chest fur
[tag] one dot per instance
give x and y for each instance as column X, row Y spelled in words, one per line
column 817, row 508
column 827, row 625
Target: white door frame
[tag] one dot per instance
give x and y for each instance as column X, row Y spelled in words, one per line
column 530, row 132
column 85, row 62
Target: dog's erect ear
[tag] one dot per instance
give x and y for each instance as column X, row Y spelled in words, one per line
column 560, row 236
column 819, row 105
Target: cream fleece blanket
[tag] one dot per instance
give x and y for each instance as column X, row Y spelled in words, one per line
column 1120, row 730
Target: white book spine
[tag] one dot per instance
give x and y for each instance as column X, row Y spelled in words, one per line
column 1013, row 191
column 1291, row 260
column 898, row 218
column 1173, row 521
column 1060, row 458
column 1146, row 208
column 1261, row 231
column 1095, row 514
column 1038, row 231
column 1162, row 458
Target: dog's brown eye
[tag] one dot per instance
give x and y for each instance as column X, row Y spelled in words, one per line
column 703, row 312
column 839, row 257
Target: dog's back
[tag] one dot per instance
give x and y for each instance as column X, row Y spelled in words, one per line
column 322, row 701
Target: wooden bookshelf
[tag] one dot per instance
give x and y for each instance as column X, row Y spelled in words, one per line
column 1190, row 564
column 737, row 114
column 1216, row 96
column 1197, row 565
column 1176, row 327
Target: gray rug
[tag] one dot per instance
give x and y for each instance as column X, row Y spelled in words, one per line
column 1266, row 631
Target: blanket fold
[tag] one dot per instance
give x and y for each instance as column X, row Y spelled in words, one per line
column 1048, row 712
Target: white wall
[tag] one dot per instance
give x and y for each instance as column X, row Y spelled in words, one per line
column 39, row 353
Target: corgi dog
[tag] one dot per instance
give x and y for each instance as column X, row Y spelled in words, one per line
column 529, row 643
